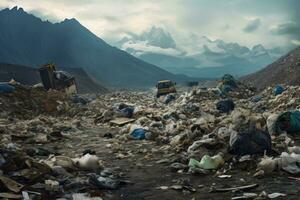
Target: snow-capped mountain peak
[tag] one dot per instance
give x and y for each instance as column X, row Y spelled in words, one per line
column 155, row 36
column 158, row 47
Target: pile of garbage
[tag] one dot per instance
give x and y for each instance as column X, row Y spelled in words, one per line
column 203, row 118
column 32, row 123
column 208, row 130
column 22, row 101
column 279, row 98
column 215, row 128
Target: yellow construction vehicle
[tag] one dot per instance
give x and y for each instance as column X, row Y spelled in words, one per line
column 57, row 80
column 165, row 87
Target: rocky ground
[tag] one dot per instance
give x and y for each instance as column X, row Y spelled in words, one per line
column 130, row 145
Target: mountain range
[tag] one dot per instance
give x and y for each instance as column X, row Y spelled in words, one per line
column 206, row 58
column 27, row 40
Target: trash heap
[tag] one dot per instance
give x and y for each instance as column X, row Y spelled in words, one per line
column 206, row 132
column 232, row 121
column 216, row 130
column 24, row 101
column 269, row 99
column 33, row 123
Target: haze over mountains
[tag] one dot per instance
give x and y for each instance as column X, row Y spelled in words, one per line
column 208, row 58
column 27, row 40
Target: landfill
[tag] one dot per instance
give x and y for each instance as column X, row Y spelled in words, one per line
column 227, row 142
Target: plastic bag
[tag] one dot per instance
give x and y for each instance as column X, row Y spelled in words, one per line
column 207, row 162
column 6, row 88
column 249, row 143
column 139, row 134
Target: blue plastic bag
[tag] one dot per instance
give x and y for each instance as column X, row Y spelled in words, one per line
column 256, row 99
column 127, row 112
column 139, row 134
column 278, row 90
column 6, row 88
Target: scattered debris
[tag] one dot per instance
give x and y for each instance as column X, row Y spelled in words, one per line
column 225, row 106
column 104, row 182
column 122, row 121
column 57, row 146
column 207, row 162
column 245, row 196
column 11, row 184
column 276, row 195
column 250, row 142
column 52, row 185
column 224, row 176
column 84, row 196
column 246, row 187
column 10, row 196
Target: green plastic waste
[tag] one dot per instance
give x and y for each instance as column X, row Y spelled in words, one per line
column 295, row 121
column 193, row 163
column 289, row 122
column 207, row 162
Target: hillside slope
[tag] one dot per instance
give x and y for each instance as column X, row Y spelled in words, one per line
column 31, row 76
column 27, row 40
column 285, row 70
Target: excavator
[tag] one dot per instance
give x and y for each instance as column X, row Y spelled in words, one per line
column 57, row 80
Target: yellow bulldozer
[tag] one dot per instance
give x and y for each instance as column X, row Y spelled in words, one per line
column 165, row 87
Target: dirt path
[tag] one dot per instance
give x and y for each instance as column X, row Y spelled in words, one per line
column 138, row 163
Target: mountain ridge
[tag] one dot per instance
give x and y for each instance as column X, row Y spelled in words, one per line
column 285, row 70
column 205, row 54
column 27, row 40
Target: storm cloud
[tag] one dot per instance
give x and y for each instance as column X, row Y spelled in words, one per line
column 289, row 28
column 252, row 25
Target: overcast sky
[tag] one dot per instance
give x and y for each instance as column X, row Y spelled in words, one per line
column 248, row 22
